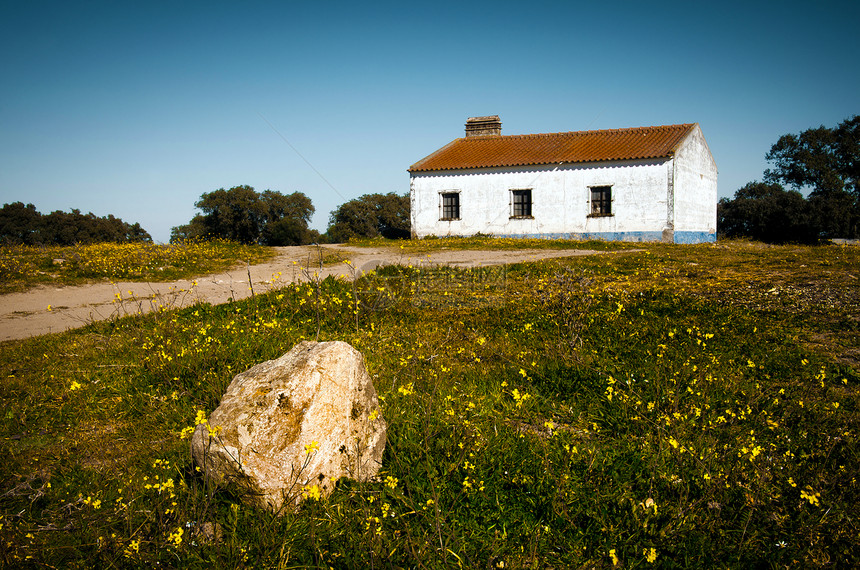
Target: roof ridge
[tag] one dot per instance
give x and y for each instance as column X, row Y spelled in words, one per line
column 595, row 131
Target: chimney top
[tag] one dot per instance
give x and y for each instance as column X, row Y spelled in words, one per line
column 483, row 126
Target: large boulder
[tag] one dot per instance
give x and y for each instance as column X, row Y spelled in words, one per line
column 287, row 425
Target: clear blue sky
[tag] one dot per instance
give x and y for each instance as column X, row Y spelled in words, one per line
column 137, row 108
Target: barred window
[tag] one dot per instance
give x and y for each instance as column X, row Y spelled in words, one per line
column 450, row 206
column 601, row 200
column 521, row 203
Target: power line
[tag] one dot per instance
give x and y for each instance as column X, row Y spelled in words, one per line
column 295, row 150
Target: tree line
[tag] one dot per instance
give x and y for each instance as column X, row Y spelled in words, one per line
column 826, row 162
column 270, row 218
column 239, row 214
column 23, row 224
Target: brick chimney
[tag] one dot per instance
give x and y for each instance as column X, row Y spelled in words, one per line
column 483, row 126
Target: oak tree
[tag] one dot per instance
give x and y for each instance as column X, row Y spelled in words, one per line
column 765, row 212
column 822, row 159
column 371, row 215
column 244, row 215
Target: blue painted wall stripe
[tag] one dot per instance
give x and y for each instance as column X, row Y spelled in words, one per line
column 680, row 237
column 695, row 237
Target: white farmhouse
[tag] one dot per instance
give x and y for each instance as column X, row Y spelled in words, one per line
column 638, row 184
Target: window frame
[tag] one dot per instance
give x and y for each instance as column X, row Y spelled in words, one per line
column 443, row 207
column 525, row 207
column 600, row 207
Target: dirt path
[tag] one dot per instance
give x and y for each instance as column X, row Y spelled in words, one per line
column 54, row 309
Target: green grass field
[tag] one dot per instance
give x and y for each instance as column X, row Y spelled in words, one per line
column 23, row 267
column 665, row 406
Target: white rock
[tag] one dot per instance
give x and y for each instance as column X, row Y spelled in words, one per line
column 316, row 394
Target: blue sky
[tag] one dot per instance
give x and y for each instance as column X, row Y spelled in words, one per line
column 137, row 108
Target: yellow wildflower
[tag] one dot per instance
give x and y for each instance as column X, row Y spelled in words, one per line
column 176, row 536
column 613, row 557
column 810, row 496
column 650, row 554
column 133, row 548
column 313, row 492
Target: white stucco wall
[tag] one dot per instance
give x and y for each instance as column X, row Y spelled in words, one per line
column 560, row 197
column 695, row 188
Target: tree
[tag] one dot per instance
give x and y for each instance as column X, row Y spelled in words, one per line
column 823, row 159
column 234, row 214
column 371, row 215
column 242, row 214
column 766, row 212
column 19, row 224
column 287, row 219
column 834, row 214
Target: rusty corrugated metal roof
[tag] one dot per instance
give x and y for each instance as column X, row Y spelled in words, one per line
column 553, row 148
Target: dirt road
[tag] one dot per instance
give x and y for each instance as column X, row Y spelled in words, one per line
column 54, row 309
